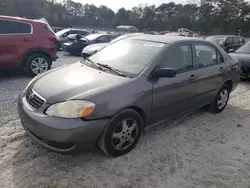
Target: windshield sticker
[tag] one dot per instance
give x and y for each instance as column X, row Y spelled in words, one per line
column 153, row 44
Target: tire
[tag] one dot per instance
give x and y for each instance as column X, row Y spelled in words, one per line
column 109, row 142
column 215, row 107
column 30, row 64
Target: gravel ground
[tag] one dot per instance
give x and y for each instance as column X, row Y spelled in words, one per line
column 196, row 150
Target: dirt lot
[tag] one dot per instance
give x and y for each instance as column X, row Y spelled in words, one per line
column 197, row 150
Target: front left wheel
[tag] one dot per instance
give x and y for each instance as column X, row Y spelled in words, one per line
column 122, row 134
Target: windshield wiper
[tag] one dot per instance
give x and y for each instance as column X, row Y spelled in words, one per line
column 93, row 63
column 111, row 68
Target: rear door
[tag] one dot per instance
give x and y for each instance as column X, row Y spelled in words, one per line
column 174, row 95
column 15, row 37
column 211, row 70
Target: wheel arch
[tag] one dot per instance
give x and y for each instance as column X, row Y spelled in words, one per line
column 137, row 109
column 229, row 83
column 35, row 51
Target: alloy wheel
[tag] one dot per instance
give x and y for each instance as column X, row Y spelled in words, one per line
column 222, row 99
column 39, row 65
column 124, row 134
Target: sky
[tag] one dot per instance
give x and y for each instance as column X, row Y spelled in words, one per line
column 127, row 4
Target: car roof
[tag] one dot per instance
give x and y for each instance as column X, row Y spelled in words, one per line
column 164, row 38
column 17, row 19
column 224, row 36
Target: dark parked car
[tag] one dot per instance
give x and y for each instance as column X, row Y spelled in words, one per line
column 62, row 35
column 112, row 96
column 26, row 44
column 93, row 48
column 228, row 43
column 243, row 55
column 75, row 47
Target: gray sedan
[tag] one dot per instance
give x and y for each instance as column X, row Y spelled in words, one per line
column 110, row 98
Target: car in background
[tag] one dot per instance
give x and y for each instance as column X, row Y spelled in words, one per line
column 75, row 47
column 93, row 48
column 56, row 29
column 177, row 34
column 111, row 97
column 243, row 55
column 26, row 44
column 229, row 43
column 62, row 35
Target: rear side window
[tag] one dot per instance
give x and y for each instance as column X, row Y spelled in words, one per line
column 206, row 55
column 13, row 27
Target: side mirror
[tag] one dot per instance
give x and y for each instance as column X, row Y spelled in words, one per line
column 165, row 72
column 231, row 50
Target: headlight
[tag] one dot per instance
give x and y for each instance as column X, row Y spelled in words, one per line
column 71, row 109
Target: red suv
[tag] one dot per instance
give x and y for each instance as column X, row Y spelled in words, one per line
column 26, row 44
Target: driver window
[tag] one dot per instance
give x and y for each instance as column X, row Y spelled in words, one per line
column 178, row 58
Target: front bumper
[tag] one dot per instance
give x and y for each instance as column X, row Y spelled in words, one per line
column 59, row 134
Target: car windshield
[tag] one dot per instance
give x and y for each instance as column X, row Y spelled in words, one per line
column 216, row 40
column 244, row 49
column 128, row 56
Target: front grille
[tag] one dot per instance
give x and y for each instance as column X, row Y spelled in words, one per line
column 33, row 99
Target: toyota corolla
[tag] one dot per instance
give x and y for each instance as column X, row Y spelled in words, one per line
column 110, row 98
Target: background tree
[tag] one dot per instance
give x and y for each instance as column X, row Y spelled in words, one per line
column 207, row 16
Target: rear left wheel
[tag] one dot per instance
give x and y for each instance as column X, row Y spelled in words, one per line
column 122, row 134
column 36, row 64
column 221, row 99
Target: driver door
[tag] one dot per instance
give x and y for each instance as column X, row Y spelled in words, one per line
column 172, row 96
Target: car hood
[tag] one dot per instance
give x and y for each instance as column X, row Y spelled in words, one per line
column 94, row 47
column 242, row 57
column 70, row 82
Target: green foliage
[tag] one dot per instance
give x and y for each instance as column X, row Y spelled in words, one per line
column 207, row 16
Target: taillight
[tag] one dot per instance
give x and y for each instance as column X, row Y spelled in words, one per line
column 51, row 37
